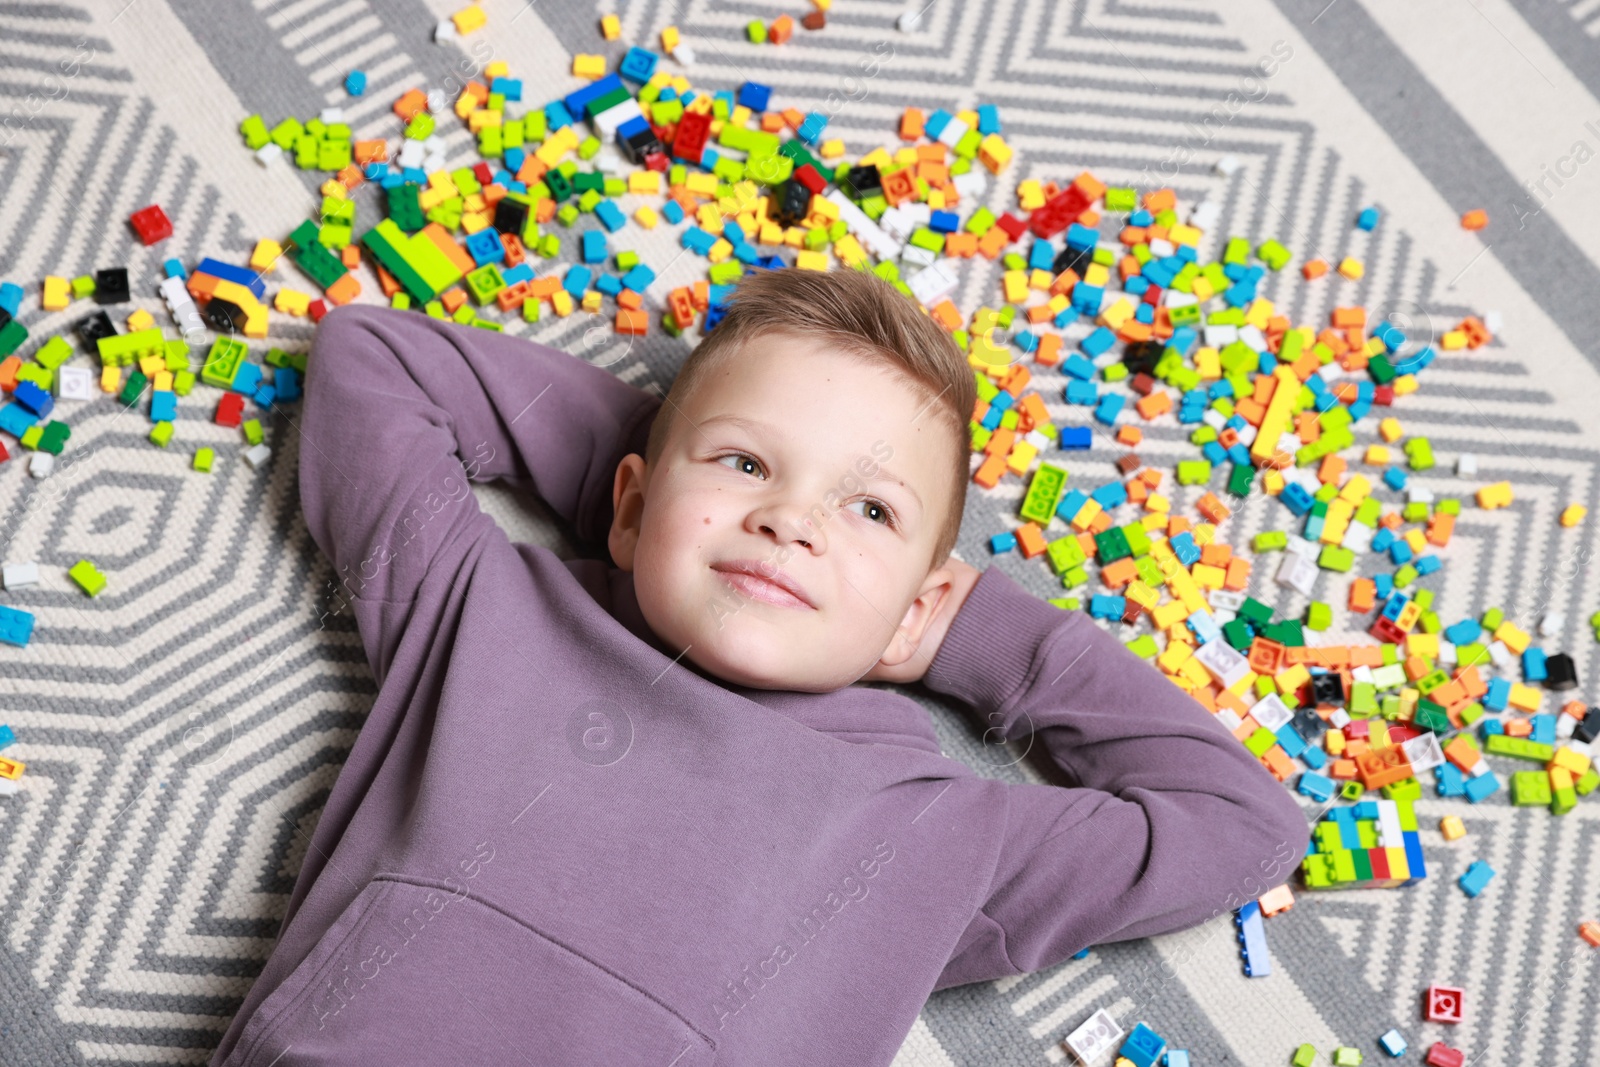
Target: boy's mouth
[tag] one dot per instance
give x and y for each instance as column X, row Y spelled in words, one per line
column 764, row 582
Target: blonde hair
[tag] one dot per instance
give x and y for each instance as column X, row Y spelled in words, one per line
column 859, row 313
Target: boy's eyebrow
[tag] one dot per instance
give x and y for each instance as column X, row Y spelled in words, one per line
column 753, row 425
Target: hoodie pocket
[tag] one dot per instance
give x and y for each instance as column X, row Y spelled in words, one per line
column 415, row 975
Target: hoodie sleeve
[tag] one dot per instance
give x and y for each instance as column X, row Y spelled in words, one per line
column 403, row 410
column 1168, row 821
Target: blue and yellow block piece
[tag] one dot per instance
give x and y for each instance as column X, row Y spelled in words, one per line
column 1371, row 844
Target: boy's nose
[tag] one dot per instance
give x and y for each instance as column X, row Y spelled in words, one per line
column 789, row 523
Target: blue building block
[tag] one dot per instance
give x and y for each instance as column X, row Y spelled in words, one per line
column 1476, row 878
column 1076, row 367
column 163, row 405
column 611, row 216
column 935, row 123
column 1314, row 758
column 1003, row 542
column 1102, row 606
column 578, row 100
column 1367, row 219
column 34, row 398
column 264, row 396
column 229, row 273
column 1184, row 548
column 1253, row 941
column 576, row 281
column 811, row 127
column 1533, row 664
column 1071, row 504
column 1098, row 341
column 1479, row 786
column 286, row 380
column 593, row 246
column 247, row 379
column 639, row 278
column 1076, row 437
column 1110, row 495
column 510, row 88
column 1143, row 1046
column 556, row 115
column 672, row 212
column 10, row 297
column 1415, row 862
column 355, row 83
column 1175, row 1058
column 988, row 119
column 485, row 247
column 1081, row 392
column 1449, row 781
column 1296, row 499
column 1394, row 477
column 1109, row 407
column 608, row 284
column 754, row 95
column 944, row 221
column 7, row 738
column 1393, row 1043
column 639, row 65
column 1318, row 787
column 16, row 628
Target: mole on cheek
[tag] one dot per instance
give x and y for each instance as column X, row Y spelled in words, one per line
column 708, row 520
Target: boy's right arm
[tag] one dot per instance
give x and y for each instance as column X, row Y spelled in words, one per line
column 1169, row 819
column 402, row 410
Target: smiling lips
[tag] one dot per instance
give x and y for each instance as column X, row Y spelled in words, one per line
column 763, row 582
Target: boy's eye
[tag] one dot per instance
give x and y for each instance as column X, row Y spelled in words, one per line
column 743, row 463
column 873, row 511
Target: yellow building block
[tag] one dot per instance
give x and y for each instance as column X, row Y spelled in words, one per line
column 1573, row 514
column 669, row 38
column 1168, row 615
column 1525, row 697
column 591, row 300
column 266, row 255
column 291, row 302
column 1494, row 496
column 1452, row 828
column 140, row 320
column 1376, row 456
column 1030, row 194
column 1424, row 645
column 1571, row 760
column 645, row 181
column 56, row 294
column 1208, row 577
column 610, row 27
column 1016, row 286
column 1291, row 678
column 646, row 216
column 1174, row 657
column 1352, row 268
column 1389, row 429
column 1405, row 385
column 561, row 302
column 110, row 379
column 1276, row 419
column 469, row 18
column 811, row 261
column 1513, row 638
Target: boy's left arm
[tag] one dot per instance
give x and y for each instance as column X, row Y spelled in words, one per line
column 1169, row 820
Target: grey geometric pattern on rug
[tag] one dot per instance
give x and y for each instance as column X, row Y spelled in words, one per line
column 182, row 729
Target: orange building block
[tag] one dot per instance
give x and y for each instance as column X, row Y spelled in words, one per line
column 1030, row 538
column 1363, row 594
column 1156, row 404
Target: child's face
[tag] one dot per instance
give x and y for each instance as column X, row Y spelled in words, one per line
column 790, row 458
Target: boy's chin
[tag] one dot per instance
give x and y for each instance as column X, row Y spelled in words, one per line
column 759, row 665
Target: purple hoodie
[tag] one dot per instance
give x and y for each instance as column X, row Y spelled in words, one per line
column 553, row 844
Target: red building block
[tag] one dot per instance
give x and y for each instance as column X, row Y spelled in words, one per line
column 690, row 141
column 230, row 410
column 1442, row 1055
column 1444, row 1004
column 807, row 176
column 151, row 224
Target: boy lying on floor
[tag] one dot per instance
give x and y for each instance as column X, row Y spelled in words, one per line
column 640, row 814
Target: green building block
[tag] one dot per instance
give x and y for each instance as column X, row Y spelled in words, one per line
column 1255, row 612
column 124, row 350
column 1345, row 1056
column 1112, row 545
column 132, row 389
column 1519, row 747
column 1319, row 616
column 1260, row 741
column 222, row 362
column 203, row 458
column 89, row 579
column 1044, row 493
column 252, row 431
column 1269, row 540
column 1335, row 558
column 1304, row 1056
column 161, row 433
column 1138, row 539
column 53, row 437
column 1144, row 646
column 1065, row 553
column 1529, row 788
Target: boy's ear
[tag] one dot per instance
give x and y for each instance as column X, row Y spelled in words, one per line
column 627, row 510
column 908, row 635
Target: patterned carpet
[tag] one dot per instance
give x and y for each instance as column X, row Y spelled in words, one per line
column 182, row 729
